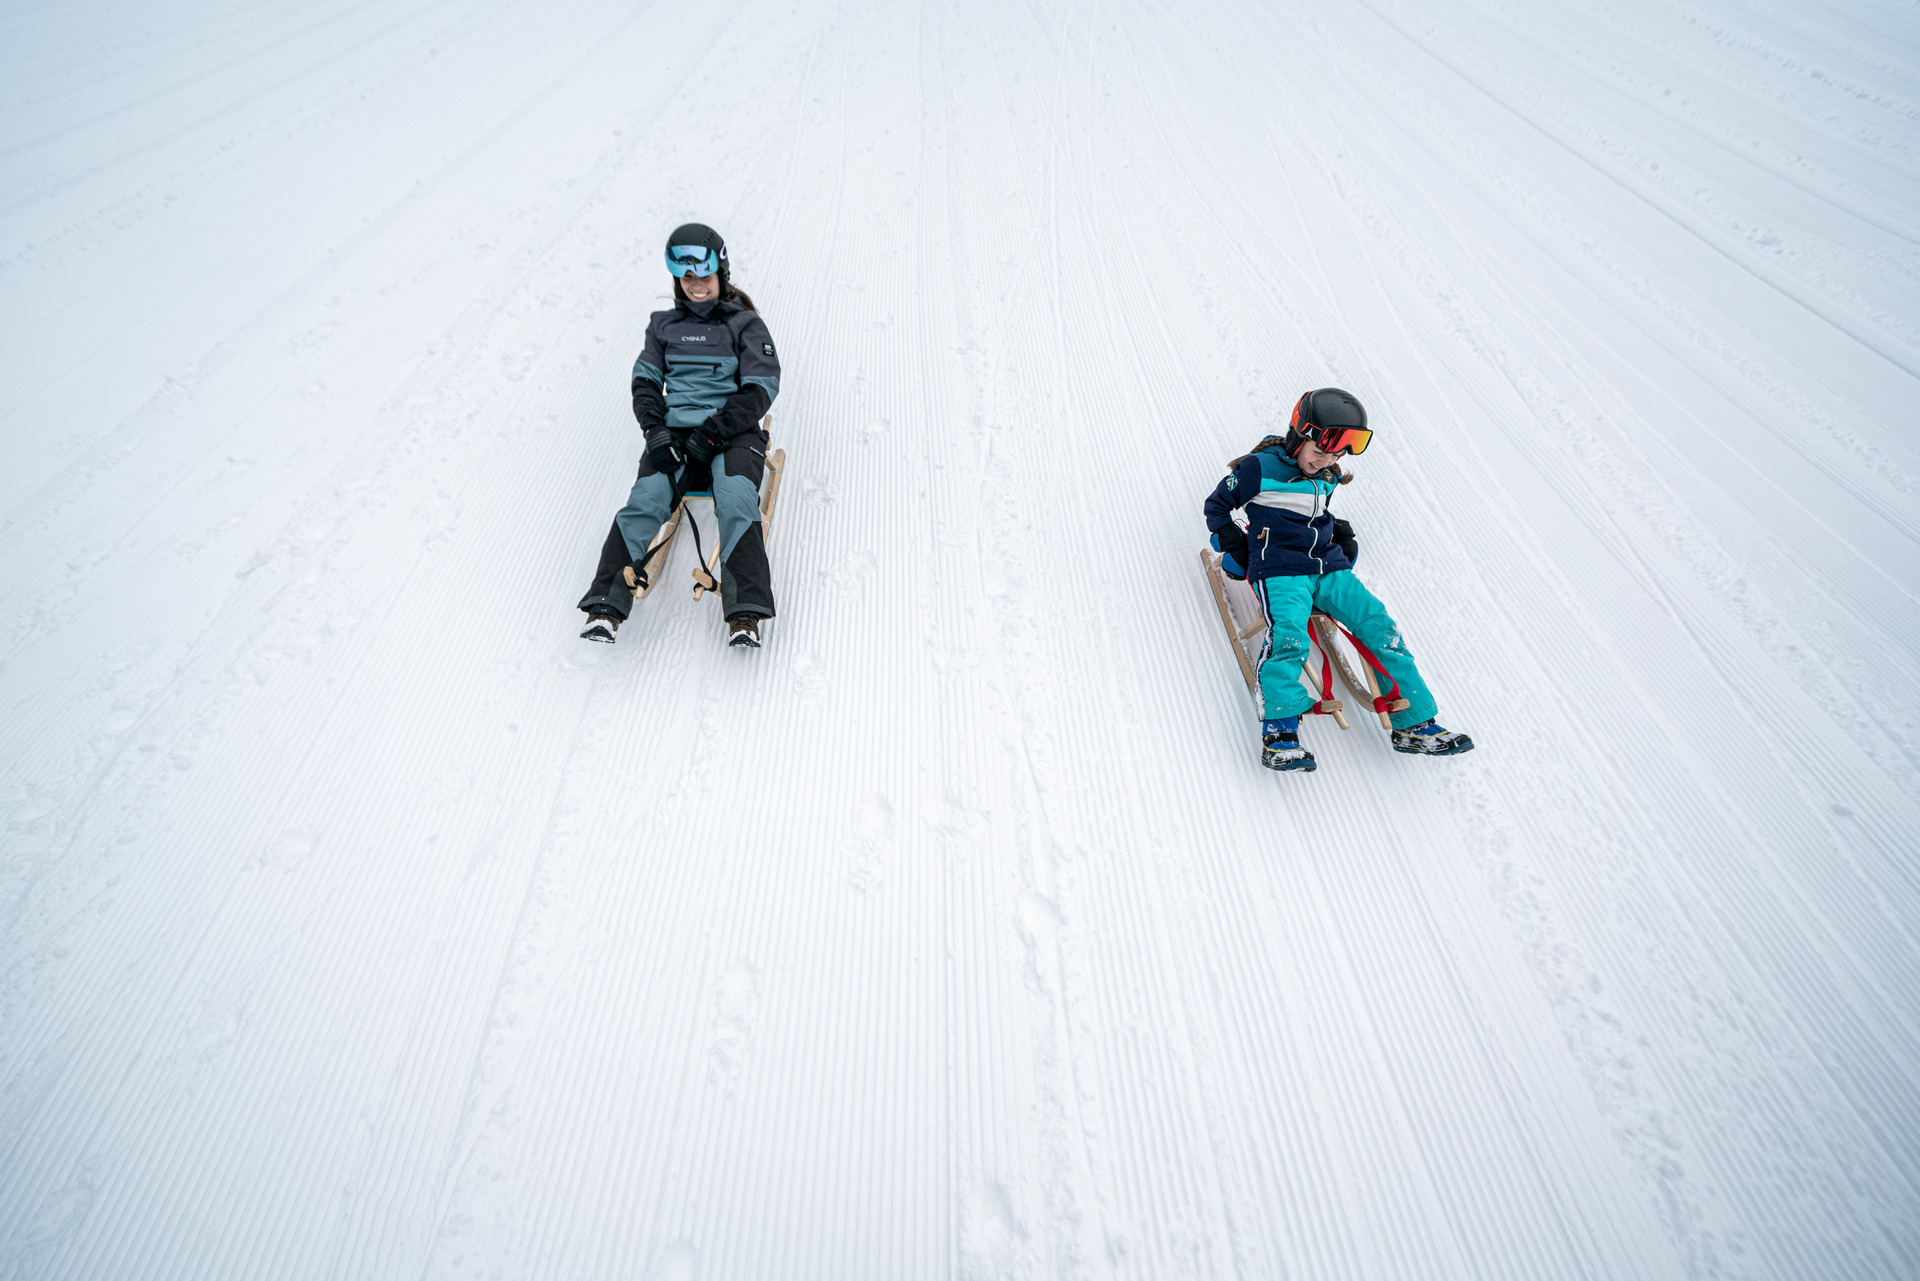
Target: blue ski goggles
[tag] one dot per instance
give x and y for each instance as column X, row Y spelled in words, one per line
column 692, row 260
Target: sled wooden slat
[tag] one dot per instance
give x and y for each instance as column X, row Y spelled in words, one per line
column 777, row 464
column 1210, row 564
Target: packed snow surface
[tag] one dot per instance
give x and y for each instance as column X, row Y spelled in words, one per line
column 361, row 921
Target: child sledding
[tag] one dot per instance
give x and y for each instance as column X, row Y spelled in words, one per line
column 1298, row 561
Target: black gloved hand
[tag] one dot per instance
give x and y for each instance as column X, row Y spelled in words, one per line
column 1231, row 542
column 665, row 453
column 705, row 442
column 1344, row 539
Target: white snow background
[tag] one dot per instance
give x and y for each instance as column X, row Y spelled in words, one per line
column 360, row 921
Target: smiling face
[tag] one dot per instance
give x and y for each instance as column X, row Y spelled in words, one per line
column 700, row 288
column 1312, row 459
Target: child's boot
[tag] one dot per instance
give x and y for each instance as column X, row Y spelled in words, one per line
column 1431, row 740
column 1280, row 745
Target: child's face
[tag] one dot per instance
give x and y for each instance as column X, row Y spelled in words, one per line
column 1312, row 458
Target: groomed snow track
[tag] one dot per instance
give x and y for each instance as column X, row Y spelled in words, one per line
column 361, row 922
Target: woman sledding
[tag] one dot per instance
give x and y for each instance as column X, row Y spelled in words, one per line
column 1296, row 561
column 705, row 377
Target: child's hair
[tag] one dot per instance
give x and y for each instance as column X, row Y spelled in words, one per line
column 1266, row 442
column 1270, row 442
column 738, row 297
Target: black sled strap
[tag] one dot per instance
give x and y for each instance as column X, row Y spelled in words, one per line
column 700, row 574
column 679, row 496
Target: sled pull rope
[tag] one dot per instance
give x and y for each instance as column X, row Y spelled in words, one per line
column 700, row 575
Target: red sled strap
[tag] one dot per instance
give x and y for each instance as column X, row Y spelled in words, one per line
column 1328, row 704
column 1389, row 701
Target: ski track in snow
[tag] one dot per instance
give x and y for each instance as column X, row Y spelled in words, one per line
column 361, row 921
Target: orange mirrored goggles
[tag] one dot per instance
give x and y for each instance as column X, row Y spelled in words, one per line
column 1337, row 440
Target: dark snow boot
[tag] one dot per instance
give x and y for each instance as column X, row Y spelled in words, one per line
column 608, row 602
column 1431, row 740
column 601, row 627
column 743, row 631
column 1280, row 745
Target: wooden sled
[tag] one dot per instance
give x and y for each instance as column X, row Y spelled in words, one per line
column 1246, row 626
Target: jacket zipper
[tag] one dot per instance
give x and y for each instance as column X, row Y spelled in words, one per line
column 1313, row 548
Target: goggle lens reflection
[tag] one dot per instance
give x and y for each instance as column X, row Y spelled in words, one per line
column 692, row 260
column 1352, row 440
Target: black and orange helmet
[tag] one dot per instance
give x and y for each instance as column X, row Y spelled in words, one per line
column 1332, row 419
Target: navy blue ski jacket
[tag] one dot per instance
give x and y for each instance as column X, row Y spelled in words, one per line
column 1289, row 529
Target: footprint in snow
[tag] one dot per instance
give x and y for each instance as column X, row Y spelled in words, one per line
column 678, row 1262
column 808, row 676
column 736, row 1021
column 990, row 1235
column 870, row 850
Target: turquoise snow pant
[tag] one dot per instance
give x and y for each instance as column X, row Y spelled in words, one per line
column 1289, row 600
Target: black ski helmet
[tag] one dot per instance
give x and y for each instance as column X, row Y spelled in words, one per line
column 697, row 235
column 1323, row 411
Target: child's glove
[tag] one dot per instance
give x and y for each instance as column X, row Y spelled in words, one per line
column 705, row 442
column 1344, row 539
column 1231, row 543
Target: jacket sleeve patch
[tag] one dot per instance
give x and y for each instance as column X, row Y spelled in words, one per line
column 766, row 349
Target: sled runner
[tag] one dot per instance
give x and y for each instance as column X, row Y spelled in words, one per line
column 1333, row 647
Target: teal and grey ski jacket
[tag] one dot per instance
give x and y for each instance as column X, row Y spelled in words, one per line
column 705, row 360
column 1289, row 529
